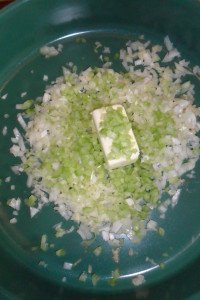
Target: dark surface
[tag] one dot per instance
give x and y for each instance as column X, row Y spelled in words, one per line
column 24, row 28
column 4, row 3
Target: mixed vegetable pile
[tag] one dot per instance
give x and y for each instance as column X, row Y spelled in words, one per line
column 63, row 158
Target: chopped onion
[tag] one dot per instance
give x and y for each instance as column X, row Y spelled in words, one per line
column 4, row 97
column 95, row 279
column 13, row 221
column 138, row 280
column 33, row 211
column 23, row 94
column 44, row 245
column 67, row 265
column 5, row 130
column 83, row 277
column 98, row 250
column 14, row 203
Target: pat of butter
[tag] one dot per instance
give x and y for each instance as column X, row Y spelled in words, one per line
column 106, row 141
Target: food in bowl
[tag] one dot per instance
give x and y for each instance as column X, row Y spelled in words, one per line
column 61, row 153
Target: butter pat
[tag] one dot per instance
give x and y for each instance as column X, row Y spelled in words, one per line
column 116, row 136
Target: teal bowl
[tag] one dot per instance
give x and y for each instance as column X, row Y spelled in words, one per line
column 27, row 25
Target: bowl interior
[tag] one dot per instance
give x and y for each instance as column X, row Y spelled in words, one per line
column 113, row 24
